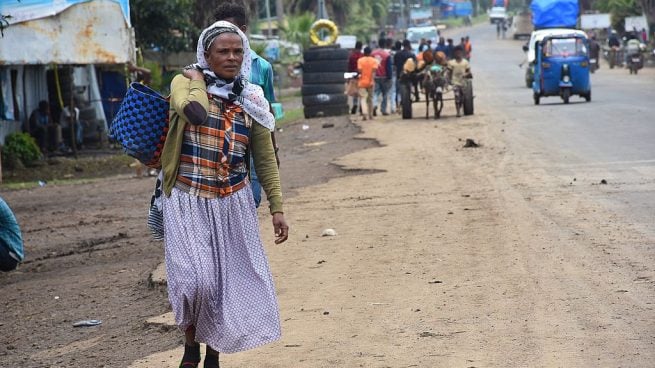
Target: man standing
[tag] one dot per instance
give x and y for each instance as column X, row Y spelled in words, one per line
column 355, row 55
column 392, row 89
column 261, row 74
column 382, row 77
column 459, row 70
column 450, row 48
column 367, row 67
column 11, row 240
column 399, row 62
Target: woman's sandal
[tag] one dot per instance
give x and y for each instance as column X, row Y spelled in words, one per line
column 191, row 358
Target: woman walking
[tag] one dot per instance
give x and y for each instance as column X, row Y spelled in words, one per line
column 219, row 283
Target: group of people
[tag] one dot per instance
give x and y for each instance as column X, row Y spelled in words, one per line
column 55, row 134
column 379, row 71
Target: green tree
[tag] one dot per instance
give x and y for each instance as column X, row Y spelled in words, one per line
column 163, row 24
column 297, row 28
column 619, row 10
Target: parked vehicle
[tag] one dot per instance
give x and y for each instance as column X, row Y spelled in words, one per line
column 522, row 25
column 562, row 67
column 497, row 14
column 415, row 34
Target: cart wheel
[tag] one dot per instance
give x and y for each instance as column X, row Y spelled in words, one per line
column 536, row 98
column 566, row 94
column 406, row 100
column 468, row 98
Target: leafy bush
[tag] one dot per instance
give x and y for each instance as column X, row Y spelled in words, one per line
column 20, row 148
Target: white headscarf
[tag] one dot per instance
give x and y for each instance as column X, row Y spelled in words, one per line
column 243, row 93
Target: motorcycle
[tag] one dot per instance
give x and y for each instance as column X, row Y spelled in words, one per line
column 614, row 57
column 635, row 59
column 593, row 65
column 635, row 62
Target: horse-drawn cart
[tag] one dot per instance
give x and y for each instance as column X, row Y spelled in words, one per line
column 428, row 74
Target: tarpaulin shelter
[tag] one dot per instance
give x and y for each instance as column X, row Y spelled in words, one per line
column 44, row 36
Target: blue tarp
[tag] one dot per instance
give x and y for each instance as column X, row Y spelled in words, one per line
column 554, row 13
column 24, row 10
column 456, row 9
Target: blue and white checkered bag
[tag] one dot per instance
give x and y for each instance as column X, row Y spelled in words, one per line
column 141, row 124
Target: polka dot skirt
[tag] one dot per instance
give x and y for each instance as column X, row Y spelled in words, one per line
column 218, row 274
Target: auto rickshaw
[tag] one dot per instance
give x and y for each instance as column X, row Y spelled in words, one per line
column 562, row 67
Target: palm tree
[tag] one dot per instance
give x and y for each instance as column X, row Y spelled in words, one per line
column 297, row 28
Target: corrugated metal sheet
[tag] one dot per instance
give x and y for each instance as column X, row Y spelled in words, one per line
column 94, row 32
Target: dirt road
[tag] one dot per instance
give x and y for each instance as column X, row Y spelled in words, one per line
column 445, row 257
column 89, row 256
column 457, row 257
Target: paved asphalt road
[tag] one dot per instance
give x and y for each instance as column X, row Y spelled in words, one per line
column 612, row 137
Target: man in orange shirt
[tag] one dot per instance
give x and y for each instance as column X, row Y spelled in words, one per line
column 367, row 66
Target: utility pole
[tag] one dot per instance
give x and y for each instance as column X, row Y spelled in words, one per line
column 279, row 10
column 268, row 17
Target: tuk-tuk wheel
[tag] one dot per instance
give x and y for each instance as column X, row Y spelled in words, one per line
column 467, row 102
column 566, row 95
column 587, row 96
column 536, row 98
column 406, row 100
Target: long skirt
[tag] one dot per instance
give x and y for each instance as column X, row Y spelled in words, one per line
column 218, row 275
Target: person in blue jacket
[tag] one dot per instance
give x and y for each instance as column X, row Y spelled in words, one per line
column 261, row 74
column 11, row 240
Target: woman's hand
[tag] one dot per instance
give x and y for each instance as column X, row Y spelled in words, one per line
column 193, row 74
column 281, row 228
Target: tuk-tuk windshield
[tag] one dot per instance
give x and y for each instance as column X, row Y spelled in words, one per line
column 565, row 47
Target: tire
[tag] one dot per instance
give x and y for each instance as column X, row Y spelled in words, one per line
column 406, row 100
column 326, row 110
column 325, row 66
column 325, row 99
column 566, row 95
column 323, row 78
column 315, row 89
column 587, row 96
column 536, row 98
column 325, row 53
column 529, row 79
column 468, row 99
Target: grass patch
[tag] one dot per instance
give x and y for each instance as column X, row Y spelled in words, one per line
column 459, row 22
column 35, row 184
column 290, row 116
column 289, row 97
column 66, row 169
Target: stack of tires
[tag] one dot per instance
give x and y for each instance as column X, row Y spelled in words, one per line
column 323, row 89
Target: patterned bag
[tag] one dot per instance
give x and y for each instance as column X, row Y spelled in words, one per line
column 155, row 214
column 141, row 124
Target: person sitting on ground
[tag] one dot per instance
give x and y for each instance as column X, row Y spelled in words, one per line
column 11, row 240
column 459, row 70
column 40, row 125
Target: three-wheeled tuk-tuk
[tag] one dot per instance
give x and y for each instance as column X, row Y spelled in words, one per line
column 562, row 67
